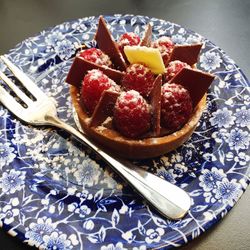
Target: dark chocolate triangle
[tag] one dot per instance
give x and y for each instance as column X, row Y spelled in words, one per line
column 80, row 67
column 186, row 53
column 147, row 36
column 195, row 81
column 104, row 108
column 155, row 101
column 107, row 44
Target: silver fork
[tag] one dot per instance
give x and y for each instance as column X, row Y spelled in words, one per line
column 170, row 200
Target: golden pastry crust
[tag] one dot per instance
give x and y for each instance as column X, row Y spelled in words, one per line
column 117, row 144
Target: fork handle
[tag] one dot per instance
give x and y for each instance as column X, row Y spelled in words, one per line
column 168, row 199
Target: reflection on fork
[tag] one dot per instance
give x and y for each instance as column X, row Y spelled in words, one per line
column 168, row 199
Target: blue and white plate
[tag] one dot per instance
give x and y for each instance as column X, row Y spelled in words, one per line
column 56, row 193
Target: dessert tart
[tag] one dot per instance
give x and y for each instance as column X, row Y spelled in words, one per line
column 135, row 97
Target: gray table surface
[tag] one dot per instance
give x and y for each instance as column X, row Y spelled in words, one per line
column 224, row 22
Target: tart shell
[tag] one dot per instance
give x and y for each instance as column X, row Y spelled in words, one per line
column 118, row 145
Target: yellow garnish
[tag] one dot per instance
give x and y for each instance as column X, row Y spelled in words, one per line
column 150, row 57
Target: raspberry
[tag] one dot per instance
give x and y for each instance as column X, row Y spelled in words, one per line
column 173, row 68
column 131, row 114
column 139, row 78
column 176, row 106
column 93, row 85
column 96, row 56
column 165, row 46
column 129, row 38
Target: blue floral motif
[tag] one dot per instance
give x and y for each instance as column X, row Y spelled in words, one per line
column 65, row 49
column 89, row 225
column 246, row 99
column 10, row 211
column 36, row 231
column 228, row 191
column 178, row 39
column 238, row 139
column 222, row 118
column 53, row 38
column 117, row 246
column 12, row 181
column 56, row 194
column 82, row 210
column 241, row 158
column 88, row 173
column 7, row 154
column 176, row 168
column 220, row 136
column 243, row 117
column 3, row 112
column 209, row 178
column 218, row 188
column 210, row 60
column 192, row 39
column 167, row 175
column 154, row 235
column 79, row 26
column 57, row 241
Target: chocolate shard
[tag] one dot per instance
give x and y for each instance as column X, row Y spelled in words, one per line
column 186, row 53
column 107, row 44
column 147, row 36
column 80, row 67
column 104, row 108
column 195, row 81
column 155, row 101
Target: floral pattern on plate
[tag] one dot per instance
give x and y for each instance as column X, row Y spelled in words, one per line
column 56, row 194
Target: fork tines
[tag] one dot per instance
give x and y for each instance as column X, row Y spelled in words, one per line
column 7, row 96
column 24, row 79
